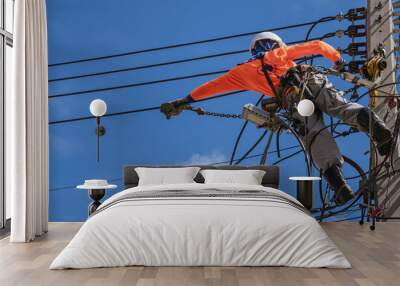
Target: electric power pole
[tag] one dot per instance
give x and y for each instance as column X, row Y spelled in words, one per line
column 381, row 22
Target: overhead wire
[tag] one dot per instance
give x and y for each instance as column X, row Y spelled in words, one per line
column 242, row 129
column 133, row 110
column 287, row 157
column 88, row 91
column 127, row 86
column 182, row 44
column 141, row 67
column 114, row 71
column 153, row 108
column 252, row 147
column 313, row 26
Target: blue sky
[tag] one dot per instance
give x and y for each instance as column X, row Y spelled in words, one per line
column 80, row 29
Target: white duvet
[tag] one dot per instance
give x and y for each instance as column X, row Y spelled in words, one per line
column 192, row 231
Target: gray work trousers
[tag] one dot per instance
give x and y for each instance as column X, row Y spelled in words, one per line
column 324, row 150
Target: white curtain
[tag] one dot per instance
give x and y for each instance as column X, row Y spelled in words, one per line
column 27, row 124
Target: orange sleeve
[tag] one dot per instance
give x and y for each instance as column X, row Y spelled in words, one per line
column 225, row 83
column 312, row 48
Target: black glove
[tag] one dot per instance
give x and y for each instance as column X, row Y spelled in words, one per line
column 340, row 65
column 175, row 107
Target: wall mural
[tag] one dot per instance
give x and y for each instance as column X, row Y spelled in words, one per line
column 123, row 68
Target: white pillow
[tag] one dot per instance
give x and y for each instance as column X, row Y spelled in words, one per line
column 248, row 177
column 165, row 176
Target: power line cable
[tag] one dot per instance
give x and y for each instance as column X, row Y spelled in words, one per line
column 140, row 109
column 287, row 157
column 313, row 26
column 136, row 84
column 147, row 66
column 206, row 99
column 256, row 155
column 135, row 110
column 162, row 64
column 242, row 129
column 247, row 153
column 183, row 44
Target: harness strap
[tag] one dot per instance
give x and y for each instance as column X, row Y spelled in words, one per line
column 266, row 68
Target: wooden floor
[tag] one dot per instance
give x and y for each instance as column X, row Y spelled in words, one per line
column 375, row 257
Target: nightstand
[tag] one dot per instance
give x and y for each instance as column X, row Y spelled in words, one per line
column 304, row 190
column 96, row 190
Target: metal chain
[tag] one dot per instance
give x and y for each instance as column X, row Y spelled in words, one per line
column 223, row 115
column 201, row 111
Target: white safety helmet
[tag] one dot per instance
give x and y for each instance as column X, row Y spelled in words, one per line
column 265, row 37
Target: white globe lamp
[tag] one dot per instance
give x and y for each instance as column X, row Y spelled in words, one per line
column 305, row 108
column 98, row 108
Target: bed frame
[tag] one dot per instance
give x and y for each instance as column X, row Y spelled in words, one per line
column 270, row 179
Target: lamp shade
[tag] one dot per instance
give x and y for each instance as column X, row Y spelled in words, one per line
column 98, row 107
column 305, row 107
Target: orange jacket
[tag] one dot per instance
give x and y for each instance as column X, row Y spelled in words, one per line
column 249, row 76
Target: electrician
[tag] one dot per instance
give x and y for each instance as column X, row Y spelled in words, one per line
column 271, row 61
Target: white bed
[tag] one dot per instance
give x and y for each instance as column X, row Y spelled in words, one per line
column 267, row 229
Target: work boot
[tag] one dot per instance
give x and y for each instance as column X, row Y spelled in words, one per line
column 381, row 135
column 334, row 177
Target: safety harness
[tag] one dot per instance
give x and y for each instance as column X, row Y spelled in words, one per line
column 266, row 69
column 289, row 83
column 270, row 104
